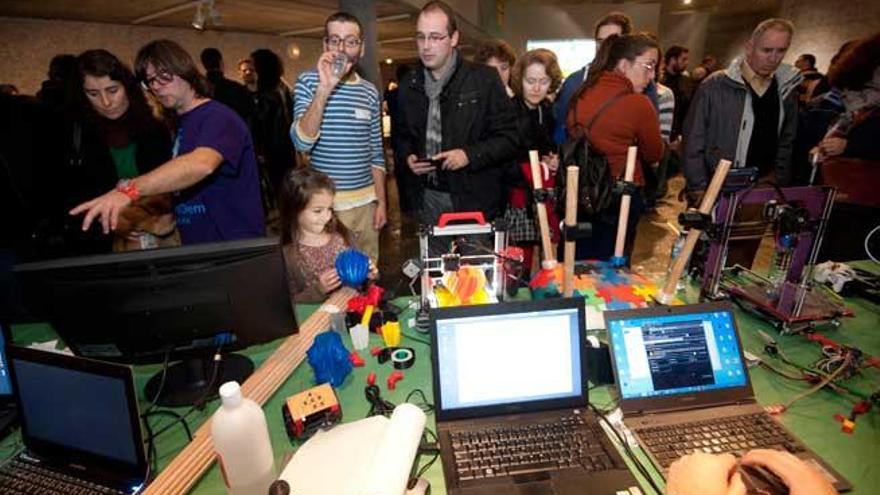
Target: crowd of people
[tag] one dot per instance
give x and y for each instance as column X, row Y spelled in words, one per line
column 168, row 154
column 106, row 157
column 155, row 154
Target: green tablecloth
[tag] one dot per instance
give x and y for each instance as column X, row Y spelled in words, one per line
column 855, row 455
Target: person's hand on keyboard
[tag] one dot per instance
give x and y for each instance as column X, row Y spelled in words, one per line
column 704, row 474
column 800, row 477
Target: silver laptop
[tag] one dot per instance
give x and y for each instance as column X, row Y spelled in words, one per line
column 684, row 387
column 510, row 391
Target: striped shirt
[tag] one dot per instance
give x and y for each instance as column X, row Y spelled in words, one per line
column 349, row 141
column 665, row 110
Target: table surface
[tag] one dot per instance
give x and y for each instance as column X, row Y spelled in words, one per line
column 855, row 455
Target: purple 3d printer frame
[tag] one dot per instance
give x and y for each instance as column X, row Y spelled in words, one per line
column 794, row 294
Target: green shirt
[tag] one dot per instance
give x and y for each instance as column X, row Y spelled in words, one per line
column 125, row 161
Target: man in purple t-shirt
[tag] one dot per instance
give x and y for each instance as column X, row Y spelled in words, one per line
column 213, row 174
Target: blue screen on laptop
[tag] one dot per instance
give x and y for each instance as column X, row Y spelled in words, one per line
column 490, row 360
column 5, row 384
column 675, row 354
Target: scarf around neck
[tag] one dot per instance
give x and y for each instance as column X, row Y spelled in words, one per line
column 433, row 88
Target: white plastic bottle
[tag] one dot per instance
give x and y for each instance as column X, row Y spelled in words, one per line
column 241, row 440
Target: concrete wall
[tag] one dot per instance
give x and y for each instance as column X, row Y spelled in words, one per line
column 727, row 34
column 687, row 30
column 27, row 45
column 469, row 10
column 532, row 21
column 823, row 26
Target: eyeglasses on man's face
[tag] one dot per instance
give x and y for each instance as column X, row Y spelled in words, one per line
column 161, row 78
column 648, row 66
column 349, row 42
column 434, row 38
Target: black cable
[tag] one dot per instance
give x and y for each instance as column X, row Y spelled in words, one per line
column 779, row 193
column 627, row 449
column 151, row 452
column 435, row 449
column 424, row 405
column 207, row 395
column 182, row 419
column 378, row 405
column 178, row 418
column 199, row 404
column 161, row 383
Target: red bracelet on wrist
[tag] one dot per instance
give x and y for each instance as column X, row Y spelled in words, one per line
column 128, row 187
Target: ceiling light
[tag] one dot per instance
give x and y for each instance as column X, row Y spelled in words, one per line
column 293, row 51
column 687, row 2
column 206, row 13
column 389, row 61
column 198, row 21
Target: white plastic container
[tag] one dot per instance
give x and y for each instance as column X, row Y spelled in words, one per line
column 241, row 440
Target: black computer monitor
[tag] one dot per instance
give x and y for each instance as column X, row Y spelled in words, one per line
column 150, row 306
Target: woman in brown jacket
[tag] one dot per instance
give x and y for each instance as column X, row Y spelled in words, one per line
column 622, row 69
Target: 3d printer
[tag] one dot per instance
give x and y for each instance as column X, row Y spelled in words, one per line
column 797, row 216
column 466, row 270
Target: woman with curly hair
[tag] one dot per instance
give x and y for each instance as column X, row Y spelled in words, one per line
column 534, row 77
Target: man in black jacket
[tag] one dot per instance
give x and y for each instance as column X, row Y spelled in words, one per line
column 458, row 127
column 226, row 91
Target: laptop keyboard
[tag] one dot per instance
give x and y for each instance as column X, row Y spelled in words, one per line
column 734, row 434
column 17, row 477
column 567, row 443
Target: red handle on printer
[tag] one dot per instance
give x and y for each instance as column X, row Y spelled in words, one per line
column 476, row 216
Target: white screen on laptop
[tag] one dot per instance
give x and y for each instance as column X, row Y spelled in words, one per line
column 505, row 359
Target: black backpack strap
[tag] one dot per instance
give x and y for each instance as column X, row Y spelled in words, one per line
column 603, row 107
column 76, row 159
column 580, row 131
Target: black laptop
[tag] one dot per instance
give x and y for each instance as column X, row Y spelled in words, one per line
column 79, row 425
column 684, row 387
column 511, row 402
column 8, row 414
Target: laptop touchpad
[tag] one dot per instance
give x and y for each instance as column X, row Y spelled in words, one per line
column 534, row 484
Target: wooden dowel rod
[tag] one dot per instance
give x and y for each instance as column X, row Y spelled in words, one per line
column 668, row 292
column 543, row 223
column 194, row 460
column 625, row 200
column 571, row 201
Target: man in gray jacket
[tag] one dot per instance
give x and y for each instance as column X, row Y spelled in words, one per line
column 746, row 114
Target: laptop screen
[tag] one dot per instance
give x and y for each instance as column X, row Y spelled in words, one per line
column 522, row 355
column 5, row 383
column 669, row 354
column 69, row 406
